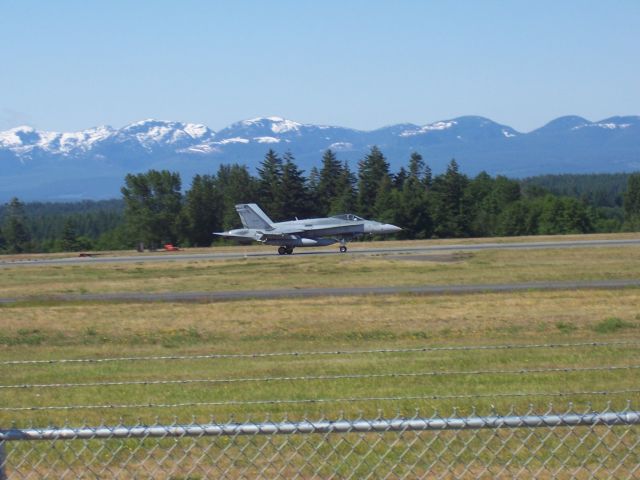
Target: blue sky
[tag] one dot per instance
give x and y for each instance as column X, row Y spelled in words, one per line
column 70, row 65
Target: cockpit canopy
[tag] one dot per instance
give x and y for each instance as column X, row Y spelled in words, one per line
column 349, row 216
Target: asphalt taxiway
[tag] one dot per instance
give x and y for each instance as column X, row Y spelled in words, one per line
column 358, row 250
column 327, row 292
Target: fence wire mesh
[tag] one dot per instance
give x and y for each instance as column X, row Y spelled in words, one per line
column 533, row 444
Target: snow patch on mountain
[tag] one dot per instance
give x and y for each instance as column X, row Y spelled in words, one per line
column 275, row 124
column 26, row 139
column 429, row 128
column 341, row 146
column 197, row 130
column 17, row 137
column 84, row 141
column 285, row 126
column 150, row 133
column 232, row 140
column 253, row 121
column 608, row 126
column 203, row 148
column 267, row 139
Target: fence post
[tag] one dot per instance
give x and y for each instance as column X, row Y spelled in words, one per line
column 3, row 461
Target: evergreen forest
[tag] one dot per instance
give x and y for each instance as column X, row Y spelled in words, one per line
column 155, row 209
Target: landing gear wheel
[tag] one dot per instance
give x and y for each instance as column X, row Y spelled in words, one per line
column 343, row 249
column 282, row 250
column 288, row 250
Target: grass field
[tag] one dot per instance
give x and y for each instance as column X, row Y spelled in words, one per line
column 307, row 271
column 49, row 330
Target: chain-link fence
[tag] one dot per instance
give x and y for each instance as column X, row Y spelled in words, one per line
column 569, row 444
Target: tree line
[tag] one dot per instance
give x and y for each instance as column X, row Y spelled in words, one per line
column 155, row 210
column 59, row 226
column 596, row 189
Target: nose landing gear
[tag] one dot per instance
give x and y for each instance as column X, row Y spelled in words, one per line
column 343, row 248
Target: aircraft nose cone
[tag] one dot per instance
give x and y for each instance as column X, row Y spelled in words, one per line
column 388, row 228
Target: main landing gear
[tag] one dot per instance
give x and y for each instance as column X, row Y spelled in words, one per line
column 343, row 248
column 285, row 250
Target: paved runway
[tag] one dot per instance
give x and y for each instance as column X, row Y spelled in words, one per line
column 331, row 292
column 173, row 256
column 323, row 292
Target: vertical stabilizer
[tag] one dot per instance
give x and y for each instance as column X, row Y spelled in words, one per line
column 252, row 216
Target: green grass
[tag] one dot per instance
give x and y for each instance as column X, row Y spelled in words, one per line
column 308, row 271
column 565, row 327
column 612, row 325
column 48, row 329
column 45, row 329
column 359, row 323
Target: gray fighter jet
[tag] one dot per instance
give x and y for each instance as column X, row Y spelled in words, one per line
column 313, row 232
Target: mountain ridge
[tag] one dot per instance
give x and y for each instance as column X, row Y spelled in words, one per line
column 91, row 163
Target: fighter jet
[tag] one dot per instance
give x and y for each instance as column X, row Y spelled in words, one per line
column 313, row 232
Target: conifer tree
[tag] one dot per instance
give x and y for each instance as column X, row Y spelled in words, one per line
column 385, row 208
column 428, row 177
column 69, row 241
column 483, row 203
column 399, row 179
column 17, row 237
column 414, row 215
column 330, row 173
column 295, row 195
column 236, row 186
column 270, row 191
column 416, row 166
column 202, row 210
column 312, row 187
column 451, row 209
column 314, row 178
column 372, row 170
column 346, row 198
column 632, row 203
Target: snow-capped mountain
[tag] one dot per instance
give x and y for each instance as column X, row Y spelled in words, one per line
column 24, row 140
column 149, row 135
column 92, row 163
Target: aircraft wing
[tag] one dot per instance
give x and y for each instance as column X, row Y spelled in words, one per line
column 237, row 234
column 227, row 234
column 256, row 235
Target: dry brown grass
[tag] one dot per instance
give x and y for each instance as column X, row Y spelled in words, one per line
column 490, row 266
column 476, row 318
column 355, row 323
column 68, row 330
